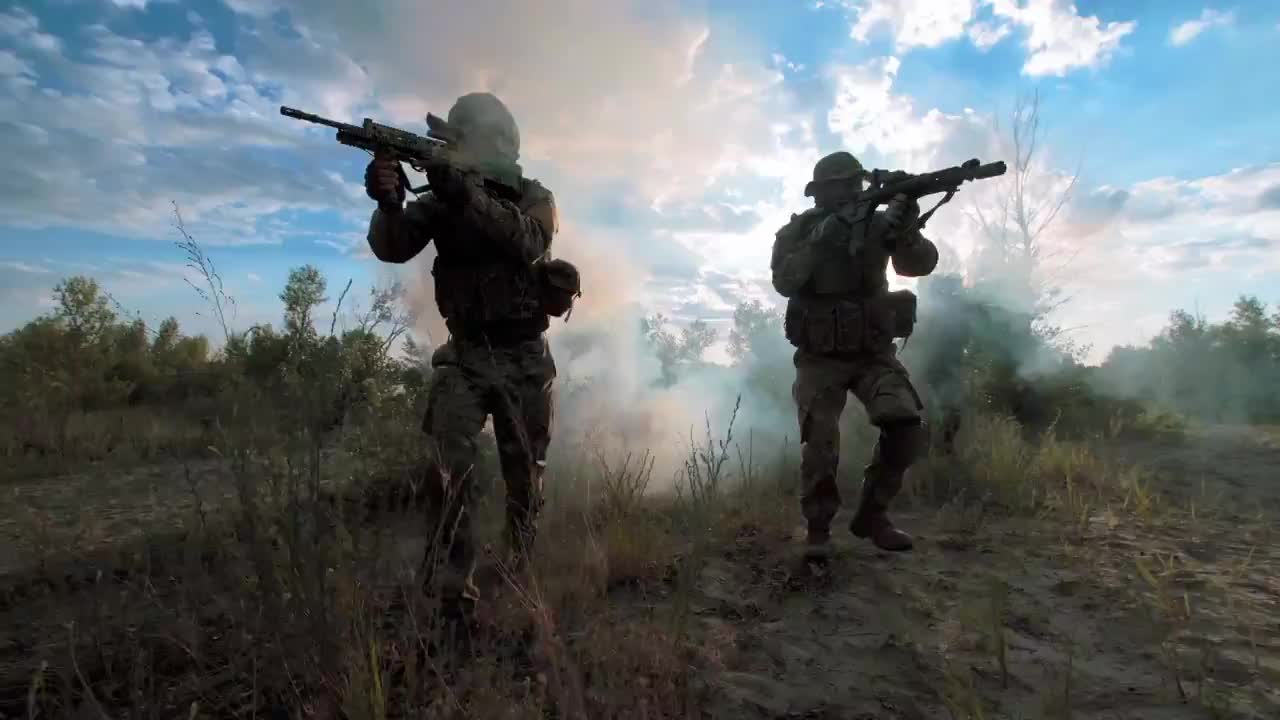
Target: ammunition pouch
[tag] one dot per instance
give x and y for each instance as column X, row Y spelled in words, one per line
column 840, row 325
column 825, row 325
column 483, row 294
column 893, row 315
column 559, row 285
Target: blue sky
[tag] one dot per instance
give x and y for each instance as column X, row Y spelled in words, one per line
column 677, row 137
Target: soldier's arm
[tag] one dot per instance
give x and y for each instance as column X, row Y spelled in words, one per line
column 521, row 234
column 396, row 236
column 914, row 255
column 794, row 255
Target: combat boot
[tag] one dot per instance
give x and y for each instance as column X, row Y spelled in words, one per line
column 872, row 521
column 817, row 547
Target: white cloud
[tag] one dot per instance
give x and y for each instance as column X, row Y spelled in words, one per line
column 15, row 70
column 915, row 23
column 140, row 124
column 1058, row 38
column 985, row 35
column 19, row 24
column 868, row 115
column 780, row 62
column 1185, row 32
column 1166, row 243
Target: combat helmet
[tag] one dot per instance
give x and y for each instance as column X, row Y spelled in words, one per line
column 482, row 117
column 838, row 165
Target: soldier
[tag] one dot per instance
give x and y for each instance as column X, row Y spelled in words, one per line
column 492, row 246
column 830, row 263
column 952, row 321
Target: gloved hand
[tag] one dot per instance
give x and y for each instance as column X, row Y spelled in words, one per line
column 452, row 186
column 382, row 181
column 902, row 212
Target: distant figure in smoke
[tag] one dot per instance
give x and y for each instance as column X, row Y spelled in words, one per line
column 495, row 286
column 950, row 319
column 842, row 319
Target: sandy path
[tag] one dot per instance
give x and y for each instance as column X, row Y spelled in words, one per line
column 914, row 635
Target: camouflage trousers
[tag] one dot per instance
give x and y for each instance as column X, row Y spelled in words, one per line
column 469, row 383
column 880, row 382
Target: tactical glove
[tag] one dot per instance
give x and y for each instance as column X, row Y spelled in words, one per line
column 382, row 181
column 451, row 185
column 902, row 212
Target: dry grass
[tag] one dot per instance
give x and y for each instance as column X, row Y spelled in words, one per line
column 40, row 446
column 284, row 600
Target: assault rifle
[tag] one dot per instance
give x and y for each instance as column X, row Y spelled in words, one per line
column 439, row 148
column 884, row 185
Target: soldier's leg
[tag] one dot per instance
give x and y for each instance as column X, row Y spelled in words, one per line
column 948, row 398
column 819, row 392
column 454, row 418
column 893, row 406
column 522, row 421
column 951, row 419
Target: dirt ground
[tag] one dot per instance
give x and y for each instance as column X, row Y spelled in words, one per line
column 1178, row 617
column 1085, row 634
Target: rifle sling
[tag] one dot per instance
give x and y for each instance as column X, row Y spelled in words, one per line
column 925, row 217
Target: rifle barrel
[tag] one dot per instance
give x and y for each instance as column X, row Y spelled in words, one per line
column 317, row 119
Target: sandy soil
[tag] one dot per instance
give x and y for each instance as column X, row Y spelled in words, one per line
column 902, row 636
column 1233, row 466
column 917, row 635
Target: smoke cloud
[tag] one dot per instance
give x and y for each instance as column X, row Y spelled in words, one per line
column 642, row 109
column 609, row 401
column 635, row 106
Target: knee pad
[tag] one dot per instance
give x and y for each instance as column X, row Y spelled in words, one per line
column 903, row 443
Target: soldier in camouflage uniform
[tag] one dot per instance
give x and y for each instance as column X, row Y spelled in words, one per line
column 830, row 263
column 491, row 243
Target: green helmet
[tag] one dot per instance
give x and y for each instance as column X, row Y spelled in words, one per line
column 483, row 120
column 836, row 166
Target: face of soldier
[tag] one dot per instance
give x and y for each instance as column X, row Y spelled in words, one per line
column 482, row 148
column 841, row 192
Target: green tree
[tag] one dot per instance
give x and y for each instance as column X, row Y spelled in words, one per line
column 675, row 351
column 302, row 293
column 756, row 334
column 85, row 310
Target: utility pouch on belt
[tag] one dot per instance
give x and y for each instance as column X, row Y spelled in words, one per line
column 893, row 315
column 826, row 325
column 848, row 326
column 560, row 284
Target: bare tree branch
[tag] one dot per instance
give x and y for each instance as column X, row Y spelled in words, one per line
column 1013, row 230
column 333, row 323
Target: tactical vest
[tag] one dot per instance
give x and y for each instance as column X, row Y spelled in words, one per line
column 845, row 307
column 500, row 299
